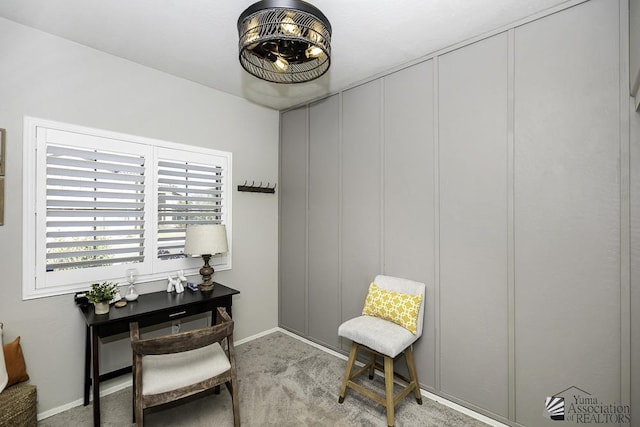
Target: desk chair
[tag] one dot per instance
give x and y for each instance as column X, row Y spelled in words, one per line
column 391, row 301
column 172, row 367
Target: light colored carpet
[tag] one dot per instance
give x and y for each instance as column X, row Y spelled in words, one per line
column 283, row 382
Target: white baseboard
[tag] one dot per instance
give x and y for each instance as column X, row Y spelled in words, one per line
column 115, row 385
column 127, row 381
column 256, row 336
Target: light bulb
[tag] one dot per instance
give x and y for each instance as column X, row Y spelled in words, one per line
column 254, row 32
column 281, row 64
column 313, row 52
column 315, row 33
column 288, row 26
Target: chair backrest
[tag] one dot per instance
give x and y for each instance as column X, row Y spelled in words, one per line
column 405, row 286
column 165, row 378
column 185, row 341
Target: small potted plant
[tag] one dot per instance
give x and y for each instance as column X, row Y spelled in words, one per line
column 100, row 295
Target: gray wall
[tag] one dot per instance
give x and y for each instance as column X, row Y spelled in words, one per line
column 473, row 162
column 634, row 48
column 567, row 205
column 496, row 173
column 48, row 77
column 635, row 260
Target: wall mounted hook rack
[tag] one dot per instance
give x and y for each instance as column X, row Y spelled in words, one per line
column 253, row 188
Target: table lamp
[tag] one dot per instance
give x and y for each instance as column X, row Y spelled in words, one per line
column 205, row 240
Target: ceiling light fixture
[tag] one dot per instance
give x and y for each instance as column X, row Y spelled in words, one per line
column 284, row 41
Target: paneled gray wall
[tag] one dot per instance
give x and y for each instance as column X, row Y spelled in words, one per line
column 408, row 194
column 473, row 223
column 634, row 48
column 567, row 206
column 493, row 173
column 361, row 199
column 293, row 221
column 635, row 260
column 324, row 220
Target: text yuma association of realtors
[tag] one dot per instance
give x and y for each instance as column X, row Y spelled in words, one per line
column 589, row 410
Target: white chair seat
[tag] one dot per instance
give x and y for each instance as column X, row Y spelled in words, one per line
column 378, row 334
column 168, row 372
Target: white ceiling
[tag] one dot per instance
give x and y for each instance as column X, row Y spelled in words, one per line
column 197, row 39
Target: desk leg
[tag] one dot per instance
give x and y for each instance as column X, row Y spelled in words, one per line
column 214, row 314
column 87, row 366
column 96, row 379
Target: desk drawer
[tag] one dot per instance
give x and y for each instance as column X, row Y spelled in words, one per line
column 122, row 325
column 170, row 315
column 166, row 314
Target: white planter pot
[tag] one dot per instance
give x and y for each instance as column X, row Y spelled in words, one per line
column 102, row 307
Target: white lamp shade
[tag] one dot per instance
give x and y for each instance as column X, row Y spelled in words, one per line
column 205, row 239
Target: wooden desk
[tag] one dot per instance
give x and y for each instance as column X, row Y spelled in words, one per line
column 148, row 309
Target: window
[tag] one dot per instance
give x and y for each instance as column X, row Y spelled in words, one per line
column 101, row 202
column 188, row 193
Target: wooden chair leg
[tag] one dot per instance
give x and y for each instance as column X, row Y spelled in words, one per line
column 413, row 374
column 137, row 404
column 347, row 373
column 235, row 401
column 372, row 368
column 133, row 402
column 139, row 414
column 388, row 388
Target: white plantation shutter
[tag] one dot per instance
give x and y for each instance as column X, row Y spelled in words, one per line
column 100, row 202
column 189, row 192
column 95, row 208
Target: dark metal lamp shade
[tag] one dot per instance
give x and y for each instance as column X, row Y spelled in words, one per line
column 284, row 41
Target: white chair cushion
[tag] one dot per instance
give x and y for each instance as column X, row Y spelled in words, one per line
column 380, row 335
column 168, row 372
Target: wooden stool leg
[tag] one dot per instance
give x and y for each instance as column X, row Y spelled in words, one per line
column 413, row 374
column 388, row 388
column 347, row 373
column 372, row 368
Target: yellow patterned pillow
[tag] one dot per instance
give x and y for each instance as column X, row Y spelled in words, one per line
column 401, row 309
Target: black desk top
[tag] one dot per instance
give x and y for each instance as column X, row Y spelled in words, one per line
column 155, row 302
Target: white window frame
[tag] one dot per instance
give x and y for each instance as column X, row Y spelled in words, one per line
column 37, row 282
